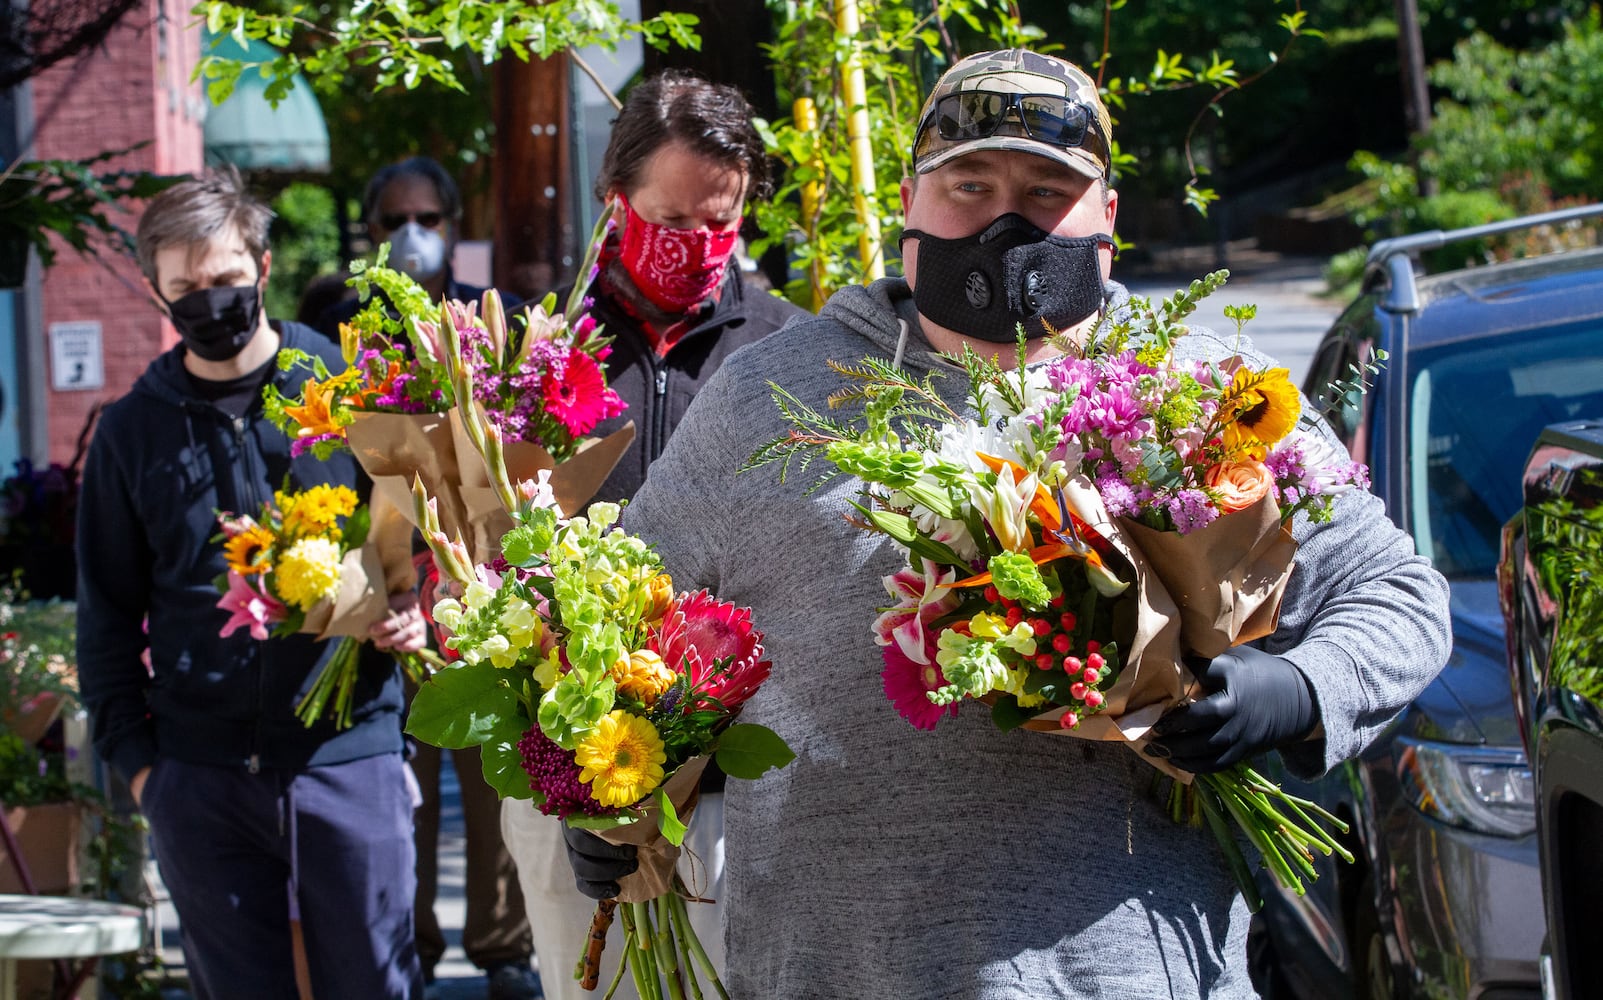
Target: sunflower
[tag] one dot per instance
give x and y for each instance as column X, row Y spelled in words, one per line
column 1261, row 407
column 621, row 759
column 244, row 550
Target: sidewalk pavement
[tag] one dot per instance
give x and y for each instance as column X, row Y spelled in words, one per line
column 455, row 977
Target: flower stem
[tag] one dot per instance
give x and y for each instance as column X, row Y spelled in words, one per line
column 674, row 907
column 691, row 940
column 589, row 971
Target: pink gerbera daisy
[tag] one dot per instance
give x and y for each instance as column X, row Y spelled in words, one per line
column 576, row 394
column 714, row 644
column 908, row 684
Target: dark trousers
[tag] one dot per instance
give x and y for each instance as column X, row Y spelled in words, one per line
column 243, row 854
column 496, row 929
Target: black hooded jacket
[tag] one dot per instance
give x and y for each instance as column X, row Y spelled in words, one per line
column 161, row 465
column 660, row 389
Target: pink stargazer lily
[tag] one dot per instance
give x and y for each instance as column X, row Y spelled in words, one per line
column 249, row 607
column 923, row 597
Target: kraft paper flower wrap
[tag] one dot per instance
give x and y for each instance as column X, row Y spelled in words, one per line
column 317, row 562
column 534, row 378
column 1073, row 530
column 658, row 856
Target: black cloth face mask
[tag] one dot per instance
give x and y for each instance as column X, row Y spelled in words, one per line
column 217, row 323
column 1009, row 273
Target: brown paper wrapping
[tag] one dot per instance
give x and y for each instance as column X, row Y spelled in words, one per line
column 658, row 857
column 396, row 447
column 360, row 602
column 1208, row 590
column 1228, row 578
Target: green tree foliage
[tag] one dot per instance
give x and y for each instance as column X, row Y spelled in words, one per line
column 305, row 241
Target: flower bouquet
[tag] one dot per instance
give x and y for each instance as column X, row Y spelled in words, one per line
column 597, row 692
column 413, row 364
column 1075, row 529
column 308, row 562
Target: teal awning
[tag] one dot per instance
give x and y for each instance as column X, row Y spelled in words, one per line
column 247, row 131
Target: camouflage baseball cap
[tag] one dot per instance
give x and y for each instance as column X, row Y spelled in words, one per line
column 1019, row 100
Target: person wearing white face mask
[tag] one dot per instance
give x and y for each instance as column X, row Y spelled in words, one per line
column 413, row 206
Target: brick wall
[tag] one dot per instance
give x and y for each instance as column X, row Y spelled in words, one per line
column 134, row 89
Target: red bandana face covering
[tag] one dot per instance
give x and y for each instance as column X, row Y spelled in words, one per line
column 675, row 268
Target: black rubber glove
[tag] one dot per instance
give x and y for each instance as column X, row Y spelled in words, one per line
column 597, row 865
column 1256, row 702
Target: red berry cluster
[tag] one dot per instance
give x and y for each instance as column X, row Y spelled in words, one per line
column 1054, row 643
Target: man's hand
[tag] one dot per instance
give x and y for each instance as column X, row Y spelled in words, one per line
column 1257, row 702
column 402, row 630
column 136, row 787
column 597, row 865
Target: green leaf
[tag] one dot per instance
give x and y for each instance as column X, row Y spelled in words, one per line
column 1007, row 715
column 673, row 830
column 503, row 763
column 750, row 751
column 462, row 706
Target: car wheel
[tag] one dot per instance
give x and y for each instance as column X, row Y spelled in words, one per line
column 1374, row 977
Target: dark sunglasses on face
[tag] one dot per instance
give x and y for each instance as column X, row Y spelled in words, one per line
column 977, row 114
column 428, row 220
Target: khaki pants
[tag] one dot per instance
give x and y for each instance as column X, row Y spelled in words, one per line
column 561, row 916
column 496, row 929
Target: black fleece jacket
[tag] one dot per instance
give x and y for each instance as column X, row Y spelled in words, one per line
column 162, row 463
column 660, row 389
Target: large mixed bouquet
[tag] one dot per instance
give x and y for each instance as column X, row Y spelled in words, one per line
column 307, row 562
column 417, row 368
column 600, row 694
column 1075, row 529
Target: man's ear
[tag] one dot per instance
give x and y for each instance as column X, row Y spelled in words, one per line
column 909, row 188
column 266, row 269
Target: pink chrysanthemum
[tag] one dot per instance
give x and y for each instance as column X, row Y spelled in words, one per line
column 576, row 394
column 553, row 773
column 908, row 684
column 714, row 644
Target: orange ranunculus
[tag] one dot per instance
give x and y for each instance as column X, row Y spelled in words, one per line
column 1238, row 485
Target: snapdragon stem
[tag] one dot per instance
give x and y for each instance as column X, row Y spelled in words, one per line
column 1211, row 810
column 674, row 908
column 663, row 948
column 689, row 937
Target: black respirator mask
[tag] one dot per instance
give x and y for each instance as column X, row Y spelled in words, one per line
column 1011, row 272
column 217, row 323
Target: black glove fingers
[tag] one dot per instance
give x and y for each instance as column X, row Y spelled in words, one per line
column 586, row 843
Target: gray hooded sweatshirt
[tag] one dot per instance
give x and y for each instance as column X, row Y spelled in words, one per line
column 890, row 862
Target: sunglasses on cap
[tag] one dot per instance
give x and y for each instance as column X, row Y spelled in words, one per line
column 428, row 220
column 1058, row 121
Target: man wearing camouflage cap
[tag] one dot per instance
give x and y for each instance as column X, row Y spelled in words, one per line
column 968, row 862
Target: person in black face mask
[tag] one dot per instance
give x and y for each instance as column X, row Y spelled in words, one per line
column 252, row 814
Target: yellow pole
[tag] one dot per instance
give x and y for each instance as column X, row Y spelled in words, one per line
column 868, row 243
column 805, row 114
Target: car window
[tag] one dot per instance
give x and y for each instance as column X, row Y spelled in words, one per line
column 1349, row 342
column 1475, row 410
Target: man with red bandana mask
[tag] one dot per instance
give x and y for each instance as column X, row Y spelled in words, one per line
column 681, row 164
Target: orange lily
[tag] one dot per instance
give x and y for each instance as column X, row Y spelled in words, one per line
column 1045, row 507
column 316, row 414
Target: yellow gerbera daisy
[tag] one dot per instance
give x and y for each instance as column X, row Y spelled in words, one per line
column 1261, row 407
column 244, row 550
column 308, row 572
column 642, row 675
column 621, row 760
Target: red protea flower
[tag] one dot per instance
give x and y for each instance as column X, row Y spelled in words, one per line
column 576, row 394
column 713, row 643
